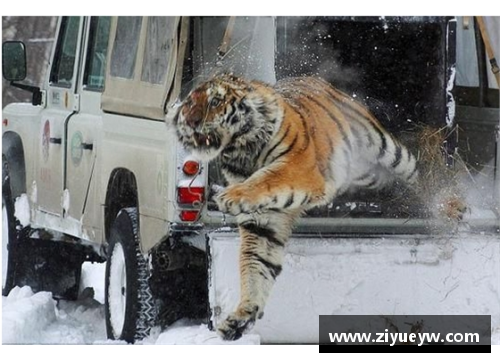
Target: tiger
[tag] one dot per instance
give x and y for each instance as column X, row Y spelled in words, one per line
column 283, row 149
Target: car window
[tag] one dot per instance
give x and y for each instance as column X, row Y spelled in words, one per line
column 128, row 30
column 64, row 60
column 95, row 66
column 159, row 45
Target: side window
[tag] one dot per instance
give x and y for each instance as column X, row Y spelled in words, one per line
column 63, row 68
column 128, row 30
column 159, row 44
column 95, row 65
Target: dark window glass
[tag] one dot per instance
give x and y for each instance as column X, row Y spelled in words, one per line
column 64, row 60
column 95, row 66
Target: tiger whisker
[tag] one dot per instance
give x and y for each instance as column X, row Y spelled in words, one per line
column 234, row 47
column 195, row 80
column 203, row 128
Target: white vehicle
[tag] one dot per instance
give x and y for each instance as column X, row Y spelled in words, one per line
column 92, row 173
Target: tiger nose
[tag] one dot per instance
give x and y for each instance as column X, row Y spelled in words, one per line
column 193, row 121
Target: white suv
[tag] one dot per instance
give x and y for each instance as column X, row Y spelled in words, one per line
column 92, row 173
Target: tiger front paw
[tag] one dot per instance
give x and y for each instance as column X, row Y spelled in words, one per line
column 235, row 200
column 237, row 323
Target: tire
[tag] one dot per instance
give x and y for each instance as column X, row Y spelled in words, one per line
column 129, row 304
column 11, row 236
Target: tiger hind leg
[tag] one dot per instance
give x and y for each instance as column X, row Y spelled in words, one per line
column 263, row 239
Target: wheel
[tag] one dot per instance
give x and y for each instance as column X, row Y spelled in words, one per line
column 41, row 264
column 129, row 304
column 11, row 233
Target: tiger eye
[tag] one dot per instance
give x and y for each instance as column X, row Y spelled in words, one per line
column 215, row 102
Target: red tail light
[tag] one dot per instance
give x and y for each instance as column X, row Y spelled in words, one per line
column 191, row 168
column 189, row 215
column 190, row 195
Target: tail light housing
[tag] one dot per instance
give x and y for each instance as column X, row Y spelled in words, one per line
column 191, row 200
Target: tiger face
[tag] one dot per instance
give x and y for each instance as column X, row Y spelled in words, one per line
column 220, row 112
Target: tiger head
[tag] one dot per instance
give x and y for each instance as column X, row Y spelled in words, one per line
column 226, row 111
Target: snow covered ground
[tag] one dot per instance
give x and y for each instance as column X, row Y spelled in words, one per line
column 35, row 318
column 30, row 318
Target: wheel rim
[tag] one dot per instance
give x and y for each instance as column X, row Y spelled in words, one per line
column 117, row 293
column 5, row 243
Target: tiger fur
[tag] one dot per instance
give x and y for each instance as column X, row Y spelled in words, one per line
column 283, row 149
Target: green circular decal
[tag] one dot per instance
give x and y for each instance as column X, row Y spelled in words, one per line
column 76, row 148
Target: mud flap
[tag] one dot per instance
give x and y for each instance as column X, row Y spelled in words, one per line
column 375, row 276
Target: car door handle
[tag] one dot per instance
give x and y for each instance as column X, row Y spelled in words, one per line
column 88, row 146
column 56, row 141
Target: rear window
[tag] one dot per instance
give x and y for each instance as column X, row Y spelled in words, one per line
column 159, row 46
column 128, row 31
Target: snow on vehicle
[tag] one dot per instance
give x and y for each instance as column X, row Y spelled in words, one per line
column 92, row 173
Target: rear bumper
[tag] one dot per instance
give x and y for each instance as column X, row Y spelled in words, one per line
column 488, row 221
